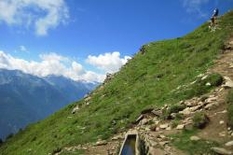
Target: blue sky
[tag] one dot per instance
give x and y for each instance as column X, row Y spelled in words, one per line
column 85, row 39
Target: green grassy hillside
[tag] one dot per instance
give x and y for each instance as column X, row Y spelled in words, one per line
column 150, row 79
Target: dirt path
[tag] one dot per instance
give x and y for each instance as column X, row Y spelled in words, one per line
column 224, row 64
column 217, row 129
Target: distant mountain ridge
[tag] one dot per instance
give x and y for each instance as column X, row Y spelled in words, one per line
column 26, row 98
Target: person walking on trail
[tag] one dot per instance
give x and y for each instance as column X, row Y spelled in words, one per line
column 214, row 17
column 215, row 14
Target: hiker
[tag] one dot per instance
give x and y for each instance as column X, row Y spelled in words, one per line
column 214, row 17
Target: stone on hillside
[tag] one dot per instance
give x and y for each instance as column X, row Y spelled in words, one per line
column 173, row 115
column 211, row 105
column 231, row 66
column 169, row 128
column 200, row 75
column 189, row 126
column 161, row 136
column 156, row 122
column 231, row 42
column 157, row 112
column 180, row 127
column 109, row 76
column 144, row 121
column 101, row 142
column 164, row 126
column 211, row 99
column 186, row 111
column 163, row 143
column 87, row 99
column 75, row 110
column 153, row 143
column 153, row 128
column 139, row 119
column 228, row 83
column 221, row 122
column 194, row 138
column 189, row 104
column 222, row 134
column 118, row 137
column 221, row 151
column 230, row 143
column 195, row 108
column 204, row 77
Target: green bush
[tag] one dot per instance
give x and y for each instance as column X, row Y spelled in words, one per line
column 200, row 120
column 200, row 87
column 215, row 79
column 172, row 109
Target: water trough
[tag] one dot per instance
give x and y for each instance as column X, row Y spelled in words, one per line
column 130, row 144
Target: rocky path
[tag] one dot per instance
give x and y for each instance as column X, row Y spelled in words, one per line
column 217, row 130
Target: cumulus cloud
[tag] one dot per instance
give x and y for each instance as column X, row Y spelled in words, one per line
column 108, row 62
column 53, row 63
column 194, row 6
column 42, row 15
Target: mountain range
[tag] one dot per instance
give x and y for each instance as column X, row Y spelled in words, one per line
column 26, row 98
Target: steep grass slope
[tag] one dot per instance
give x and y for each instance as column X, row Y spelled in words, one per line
column 150, row 79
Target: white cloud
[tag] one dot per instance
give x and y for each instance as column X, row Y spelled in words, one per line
column 194, row 6
column 43, row 15
column 23, row 48
column 51, row 63
column 109, row 62
column 55, row 64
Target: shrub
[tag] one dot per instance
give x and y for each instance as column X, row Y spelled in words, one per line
column 173, row 109
column 200, row 120
column 199, row 87
column 215, row 79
